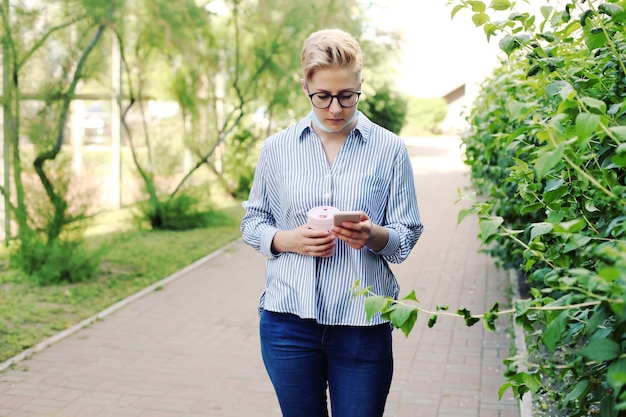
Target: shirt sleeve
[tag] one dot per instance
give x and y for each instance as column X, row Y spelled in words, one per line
column 258, row 225
column 402, row 218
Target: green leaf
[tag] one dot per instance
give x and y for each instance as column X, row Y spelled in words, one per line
column 561, row 88
column 594, row 103
column 579, row 389
column 619, row 132
column 571, row 226
column 522, row 306
column 610, row 273
column 480, row 19
column 531, row 208
column 409, row 323
column 400, row 315
column 489, row 321
column 552, row 334
column 374, row 305
column 548, row 160
column 587, row 124
column 610, row 9
column 503, row 389
column 508, row 44
column 595, row 40
column 576, row 241
column 546, row 11
column 601, row 350
column 463, row 213
column 477, row 6
column 467, row 315
column 489, row 226
column 585, row 16
column 616, row 374
column 455, row 10
column 411, row 296
column 539, row 229
column 432, row 321
column 590, row 207
column 490, row 29
column 619, row 160
column 517, row 109
column 500, row 4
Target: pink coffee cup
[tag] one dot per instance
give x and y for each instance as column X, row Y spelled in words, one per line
column 321, row 217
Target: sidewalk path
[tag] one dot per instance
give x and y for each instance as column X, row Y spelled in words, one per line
column 191, row 348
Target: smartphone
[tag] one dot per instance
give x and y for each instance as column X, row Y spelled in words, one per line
column 346, row 216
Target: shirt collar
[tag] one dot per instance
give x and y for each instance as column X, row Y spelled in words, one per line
column 361, row 130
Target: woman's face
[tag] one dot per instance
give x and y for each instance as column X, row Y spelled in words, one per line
column 335, row 82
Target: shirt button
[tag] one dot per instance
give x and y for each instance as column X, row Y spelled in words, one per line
column 326, row 196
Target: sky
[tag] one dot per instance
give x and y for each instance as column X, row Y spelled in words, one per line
column 440, row 53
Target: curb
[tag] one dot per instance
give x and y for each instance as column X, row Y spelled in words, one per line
column 113, row 308
column 526, row 402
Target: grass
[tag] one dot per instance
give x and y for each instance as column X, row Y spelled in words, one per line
column 131, row 260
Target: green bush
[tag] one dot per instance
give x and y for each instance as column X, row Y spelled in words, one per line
column 386, row 107
column 548, row 155
column 182, row 212
column 178, row 213
column 55, row 262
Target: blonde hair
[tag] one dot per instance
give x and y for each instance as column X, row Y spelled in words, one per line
column 330, row 49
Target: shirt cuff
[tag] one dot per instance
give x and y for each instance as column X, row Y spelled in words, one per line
column 393, row 243
column 267, row 236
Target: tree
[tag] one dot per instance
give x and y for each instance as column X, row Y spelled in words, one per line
column 245, row 63
column 46, row 248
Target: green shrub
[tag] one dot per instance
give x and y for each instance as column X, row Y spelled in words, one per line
column 386, row 107
column 182, row 212
column 548, row 156
column 55, row 262
column 178, row 213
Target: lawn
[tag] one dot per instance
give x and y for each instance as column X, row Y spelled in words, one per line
column 131, row 260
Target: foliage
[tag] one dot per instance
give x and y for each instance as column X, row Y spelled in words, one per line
column 186, row 210
column 222, row 67
column 239, row 163
column 386, row 107
column 548, row 155
column 59, row 261
column 37, row 56
column 548, row 152
column 424, row 115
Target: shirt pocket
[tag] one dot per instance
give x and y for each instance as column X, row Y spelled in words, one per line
column 363, row 191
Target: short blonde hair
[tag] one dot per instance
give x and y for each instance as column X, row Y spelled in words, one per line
column 330, row 49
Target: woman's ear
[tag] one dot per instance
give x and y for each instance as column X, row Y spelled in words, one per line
column 303, row 84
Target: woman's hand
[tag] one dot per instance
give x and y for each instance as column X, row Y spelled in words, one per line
column 358, row 235
column 305, row 241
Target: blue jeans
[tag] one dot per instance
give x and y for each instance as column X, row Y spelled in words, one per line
column 303, row 358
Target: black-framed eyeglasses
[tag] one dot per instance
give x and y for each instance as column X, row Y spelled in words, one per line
column 322, row 100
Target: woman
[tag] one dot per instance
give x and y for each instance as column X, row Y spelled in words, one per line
column 314, row 335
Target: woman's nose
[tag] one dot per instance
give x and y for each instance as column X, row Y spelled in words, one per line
column 335, row 107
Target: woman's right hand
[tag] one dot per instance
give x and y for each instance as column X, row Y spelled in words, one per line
column 305, row 241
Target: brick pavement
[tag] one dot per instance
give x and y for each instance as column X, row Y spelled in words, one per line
column 190, row 347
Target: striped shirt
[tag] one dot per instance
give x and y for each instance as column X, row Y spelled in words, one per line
column 372, row 173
